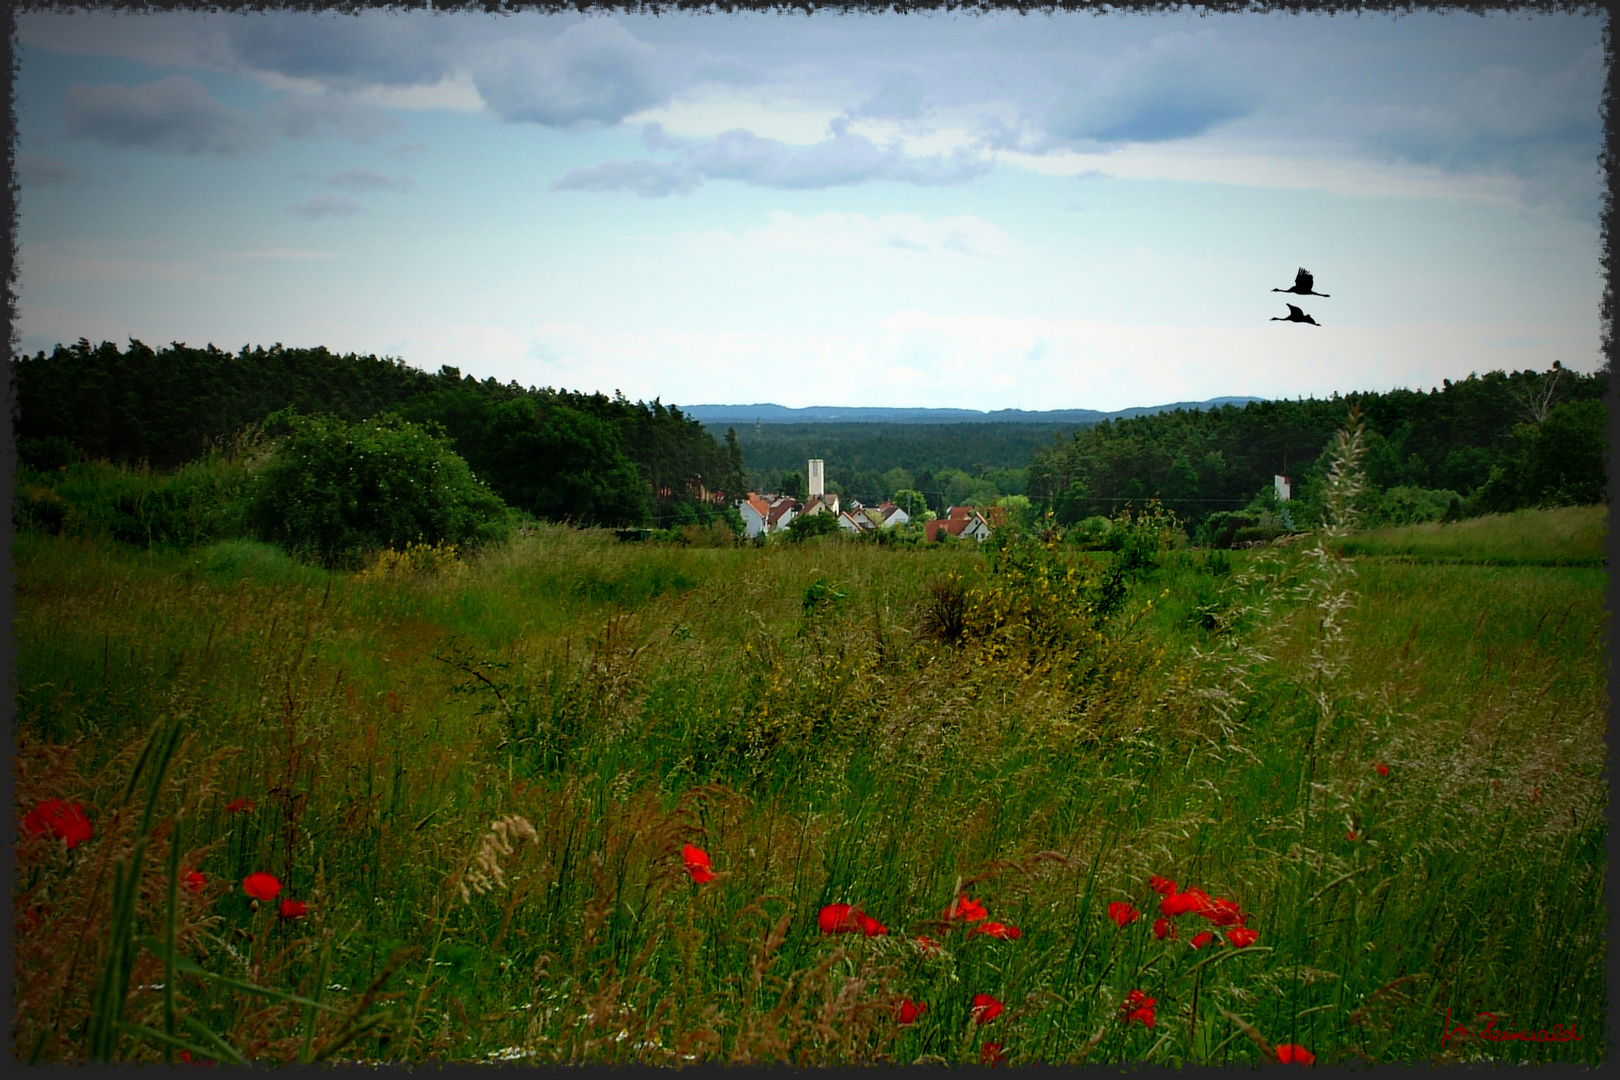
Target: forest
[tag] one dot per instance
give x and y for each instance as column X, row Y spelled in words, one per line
column 1491, row 443
column 554, row 454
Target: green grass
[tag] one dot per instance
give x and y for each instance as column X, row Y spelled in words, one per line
column 629, row 698
column 1566, row 536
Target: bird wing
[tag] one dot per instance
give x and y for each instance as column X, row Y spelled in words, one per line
column 1294, row 312
column 1303, row 280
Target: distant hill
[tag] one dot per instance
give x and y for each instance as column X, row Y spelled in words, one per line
column 837, row 414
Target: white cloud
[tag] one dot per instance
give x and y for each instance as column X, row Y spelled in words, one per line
column 841, row 159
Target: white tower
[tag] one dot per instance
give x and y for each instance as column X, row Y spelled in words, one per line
column 817, row 484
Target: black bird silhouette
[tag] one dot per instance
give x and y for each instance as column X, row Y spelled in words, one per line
column 1294, row 315
column 1303, row 284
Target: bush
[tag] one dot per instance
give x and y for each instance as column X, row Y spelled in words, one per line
column 1220, row 529
column 337, row 491
column 1091, row 534
column 197, row 504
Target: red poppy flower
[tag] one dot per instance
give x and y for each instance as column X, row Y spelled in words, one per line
column 1223, row 913
column 1383, row 770
column 1182, row 903
column 53, row 817
column 840, row 919
column 986, row 1008
column 1138, row 1006
column 294, row 909
column 908, row 1011
column 697, row 863
column 1350, row 835
column 1202, row 939
column 193, row 880
column 928, row 946
column 990, row 1054
column 239, row 806
column 1290, row 1054
column 967, row 909
column 1163, row 886
column 261, row 886
column 1242, row 937
column 870, row 926
column 1122, row 914
column 997, row 930
column 1163, row 928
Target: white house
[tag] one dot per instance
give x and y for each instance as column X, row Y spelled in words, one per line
column 756, row 513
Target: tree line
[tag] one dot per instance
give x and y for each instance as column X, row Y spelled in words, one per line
column 1489, row 443
column 555, row 454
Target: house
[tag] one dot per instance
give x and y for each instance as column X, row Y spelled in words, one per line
column 968, row 525
column 1283, row 486
column 851, row 523
column 783, row 511
column 755, row 512
column 886, row 516
column 819, row 502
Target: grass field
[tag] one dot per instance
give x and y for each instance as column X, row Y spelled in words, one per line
column 1392, row 766
column 1565, row 536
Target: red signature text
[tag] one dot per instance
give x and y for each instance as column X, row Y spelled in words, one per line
column 1492, row 1034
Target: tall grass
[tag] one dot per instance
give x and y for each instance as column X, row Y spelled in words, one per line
column 1562, row 536
column 799, row 713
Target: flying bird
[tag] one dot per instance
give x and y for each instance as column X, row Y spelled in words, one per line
column 1294, row 315
column 1303, row 284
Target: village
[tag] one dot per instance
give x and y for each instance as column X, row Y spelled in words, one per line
column 766, row 514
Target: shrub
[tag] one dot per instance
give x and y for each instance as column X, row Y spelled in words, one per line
column 337, row 491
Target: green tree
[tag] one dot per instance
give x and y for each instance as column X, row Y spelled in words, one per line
column 1563, row 461
column 912, row 502
column 806, row 526
column 335, row 490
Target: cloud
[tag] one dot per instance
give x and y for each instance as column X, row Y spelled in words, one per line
column 322, row 206
column 298, row 116
column 841, row 160
column 1163, row 115
column 344, row 51
column 408, row 150
column 174, row 114
column 595, row 73
column 43, row 171
column 650, row 178
column 367, row 180
column 1176, row 86
column 900, row 99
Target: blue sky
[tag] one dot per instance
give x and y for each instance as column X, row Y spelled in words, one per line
column 982, row 211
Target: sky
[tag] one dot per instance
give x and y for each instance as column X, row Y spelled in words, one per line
column 1042, row 211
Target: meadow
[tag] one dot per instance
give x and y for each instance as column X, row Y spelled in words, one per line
column 573, row 799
